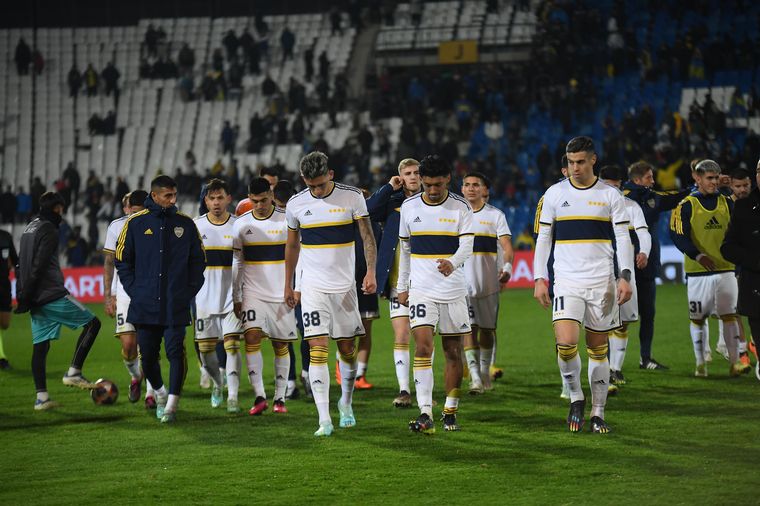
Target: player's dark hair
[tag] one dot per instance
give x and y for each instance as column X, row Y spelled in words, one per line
column 162, row 181
column 283, row 190
column 740, row 174
column 611, row 172
column 580, row 144
column 137, row 198
column 269, row 171
column 434, row 166
column 483, row 179
column 564, row 162
column 49, row 200
column 258, row 185
column 639, row 169
column 217, row 184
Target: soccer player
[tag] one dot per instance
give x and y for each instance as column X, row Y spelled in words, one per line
column 321, row 222
column 582, row 216
column 215, row 316
column 272, row 176
column 384, row 207
column 436, row 235
column 117, row 300
column 642, row 245
column 259, row 242
column 484, row 271
column 698, row 226
column 8, row 261
column 639, row 188
column 160, row 261
column 40, row 290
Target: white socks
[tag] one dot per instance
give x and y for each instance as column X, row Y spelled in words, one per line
column 423, row 384
column 598, row 378
column 570, row 368
column 618, row 347
column 401, row 359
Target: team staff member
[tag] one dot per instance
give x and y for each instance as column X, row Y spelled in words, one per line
column 40, row 290
column 740, row 246
column 639, row 189
column 8, row 260
column 160, row 260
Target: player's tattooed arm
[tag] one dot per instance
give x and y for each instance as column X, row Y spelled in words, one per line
column 108, row 270
column 369, row 285
column 292, row 251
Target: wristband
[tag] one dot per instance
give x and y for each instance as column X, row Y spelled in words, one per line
column 507, row 268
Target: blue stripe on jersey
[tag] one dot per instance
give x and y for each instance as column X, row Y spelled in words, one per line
column 430, row 244
column 483, row 244
column 331, row 234
column 219, row 257
column 274, row 252
column 583, row 230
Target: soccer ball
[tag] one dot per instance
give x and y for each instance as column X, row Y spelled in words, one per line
column 105, row 392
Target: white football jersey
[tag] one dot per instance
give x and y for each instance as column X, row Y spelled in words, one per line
column 638, row 226
column 326, row 225
column 112, row 237
column 582, row 220
column 433, row 232
column 215, row 297
column 482, row 269
column 260, row 250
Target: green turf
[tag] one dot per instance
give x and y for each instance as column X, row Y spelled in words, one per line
column 676, row 440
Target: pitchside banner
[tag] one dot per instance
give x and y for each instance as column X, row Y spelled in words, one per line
column 86, row 283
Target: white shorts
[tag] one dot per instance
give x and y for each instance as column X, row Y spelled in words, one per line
column 122, row 325
column 275, row 319
column 484, row 311
column 629, row 312
column 217, row 326
column 715, row 293
column 396, row 309
column 595, row 308
column 331, row 314
column 451, row 318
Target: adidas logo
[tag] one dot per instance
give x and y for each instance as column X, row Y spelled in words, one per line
column 600, row 382
column 464, row 326
column 417, row 220
column 713, row 224
column 317, row 382
column 358, row 329
column 568, row 376
column 148, row 232
column 233, row 373
column 565, row 204
column 291, row 334
column 280, row 377
column 249, row 233
column 307, row 213
column 204, row 236
column 400, row 362
column 416, row 382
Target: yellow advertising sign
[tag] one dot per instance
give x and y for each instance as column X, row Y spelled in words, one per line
column 458, row 51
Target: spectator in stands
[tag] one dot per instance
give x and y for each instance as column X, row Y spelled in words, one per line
column 111, row 77
column 415, row 12
column 288, row 41
column 260, row 24
column 186, row 86
column 76, row 248
column 494, row 130
column 73, row 182
column 190, row 161
column 90, row 78
column 23, row 57
column 8, row 205
column 74, row 81
column 263, row 44
column 335, row 19
column 324, row 66
column 268, row 87
column 151, row 40
column 23, row 206
column 340, row 91
column 308, row 59
column 228, row 139
column 365, row 139
column 296, row 96
column 109, row 123
column 94, row 192
column 217, row 60
column 145, row 70
column 186, row 59
column 235, row 75
column 95, row 124
column 256, row 134
column 297, row 130
column 109, row 208
column 525, row 241
column 165, row 68
column 36, row 192
column 246, row 42
column 122, row 188
column 208, row 87
column 231, row 44
column 38, row 62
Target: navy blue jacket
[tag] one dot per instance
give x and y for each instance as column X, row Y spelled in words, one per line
column 160, row 260
column 384, row 206
column 652, row 204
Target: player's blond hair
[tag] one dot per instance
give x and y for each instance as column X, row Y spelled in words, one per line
column 407, row 162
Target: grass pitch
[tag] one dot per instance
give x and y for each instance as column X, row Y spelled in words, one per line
column 676, row 439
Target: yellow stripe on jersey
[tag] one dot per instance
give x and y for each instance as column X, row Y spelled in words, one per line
column 264, row 262
column 676, row 223
column 486, row 235
column 219, row 267
column 327, row 224
column 416, row 255
column 264, row 243
column 537, row 218
column 315, row 246
column 595, row 218
column 218, row 248
column 123, row 234
column 584, row 241
column 435, row 232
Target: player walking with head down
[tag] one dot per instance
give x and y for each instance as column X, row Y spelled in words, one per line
column 436, row 240
column 259, row 241
column 583, row 213
column 321, row 232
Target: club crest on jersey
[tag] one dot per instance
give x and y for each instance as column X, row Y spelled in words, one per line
column 178, row 231
column 565, row 204
column 651, row 202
